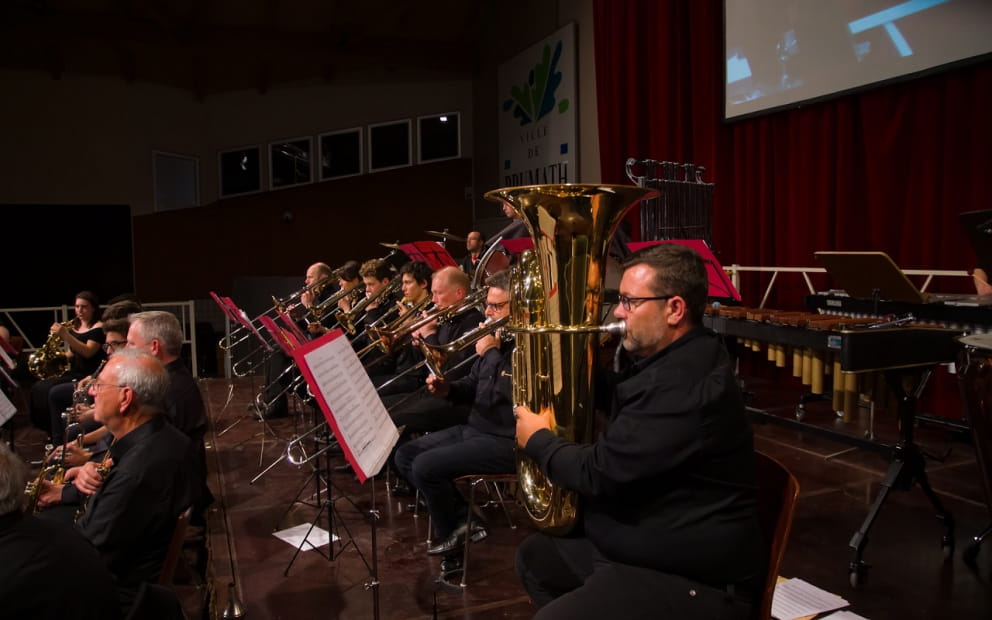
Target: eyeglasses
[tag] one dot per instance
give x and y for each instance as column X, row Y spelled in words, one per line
column 112, row 345
column 496, row 306
column 96, row 387
column 626, row 302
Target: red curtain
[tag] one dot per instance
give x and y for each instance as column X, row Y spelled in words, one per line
column 885, row 169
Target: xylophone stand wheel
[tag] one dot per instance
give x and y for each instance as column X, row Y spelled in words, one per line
column 800, row 411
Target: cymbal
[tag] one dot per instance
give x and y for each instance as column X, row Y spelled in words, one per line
column 444, row 235
column 391, row 246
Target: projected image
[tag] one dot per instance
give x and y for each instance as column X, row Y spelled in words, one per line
column 781, row 52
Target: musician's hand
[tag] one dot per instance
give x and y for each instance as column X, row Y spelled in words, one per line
column 402, row 307
column 49, row 494
column 82, row 413
column 307, row 299
column 438, row 385
column 316, row 328
column 529, row 423
column 483, row 344
column 76, row 456
column 87, row 479
column 59, row 329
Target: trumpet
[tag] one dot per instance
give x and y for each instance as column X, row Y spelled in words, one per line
column 349, row 318
column 435, row 355
column 54, row 472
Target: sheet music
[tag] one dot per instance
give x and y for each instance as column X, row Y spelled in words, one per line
column 7, row 408
column 349, row 402
column 796, row 598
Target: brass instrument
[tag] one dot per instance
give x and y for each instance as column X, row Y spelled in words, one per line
column 390, row 336
column 50, row 360
column 317, row 311
column 349, row 318
column 436, row 355
column 54, row 473
column 381, row 327
column 391, row 340
column 284, row 304
column 102, row 469
column 555, row 307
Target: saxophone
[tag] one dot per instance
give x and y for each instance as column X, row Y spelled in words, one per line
column 50, row 360
column 555, row 307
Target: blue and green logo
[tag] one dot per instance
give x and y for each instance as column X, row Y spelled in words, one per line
column 536, row 99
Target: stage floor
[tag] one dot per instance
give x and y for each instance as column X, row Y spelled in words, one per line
column 908, row 577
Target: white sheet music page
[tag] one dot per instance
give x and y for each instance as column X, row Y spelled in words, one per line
column 349, row 402
column 796, row 598
column 7, row 408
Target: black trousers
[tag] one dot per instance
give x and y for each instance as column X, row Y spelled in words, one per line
column 567, row 577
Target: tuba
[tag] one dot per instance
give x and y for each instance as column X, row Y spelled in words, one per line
column 50, row 360
column 555, row 307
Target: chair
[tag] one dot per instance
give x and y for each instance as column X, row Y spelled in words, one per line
column 488, row 481
column 777, row 493
column 175, row 550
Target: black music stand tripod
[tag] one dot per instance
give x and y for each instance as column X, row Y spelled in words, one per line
column 908, row 466
column 321, row 475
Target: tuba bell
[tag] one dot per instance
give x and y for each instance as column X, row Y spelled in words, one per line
column 555, row 307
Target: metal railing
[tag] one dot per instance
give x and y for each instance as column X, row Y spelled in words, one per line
column 735, row 271
column 184, row 311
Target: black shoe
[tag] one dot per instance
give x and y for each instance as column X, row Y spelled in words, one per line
column 401, row 488
column 456, row 540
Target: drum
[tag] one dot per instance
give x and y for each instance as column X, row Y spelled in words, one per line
column 975, row 379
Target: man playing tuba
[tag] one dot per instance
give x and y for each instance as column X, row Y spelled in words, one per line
column 667, row 490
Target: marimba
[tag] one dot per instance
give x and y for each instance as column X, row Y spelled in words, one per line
column 850, row 347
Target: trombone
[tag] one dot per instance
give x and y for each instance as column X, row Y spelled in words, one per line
column 436, row 355
column 382, row 335
column 297, row 455
column 317, row 311
column 278, row 305
column 348, row 319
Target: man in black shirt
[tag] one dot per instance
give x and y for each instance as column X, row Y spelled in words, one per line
column 133, row 508
column 669, row 528
column 482, row 446
column 160, row 334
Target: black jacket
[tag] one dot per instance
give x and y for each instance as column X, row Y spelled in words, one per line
column 670, row 483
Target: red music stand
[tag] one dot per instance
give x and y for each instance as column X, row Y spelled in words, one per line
column 720, row 284
column 430, row 252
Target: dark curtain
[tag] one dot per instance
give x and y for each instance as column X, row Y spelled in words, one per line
column 886, row 169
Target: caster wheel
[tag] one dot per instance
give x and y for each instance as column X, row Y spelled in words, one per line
column 800, row 412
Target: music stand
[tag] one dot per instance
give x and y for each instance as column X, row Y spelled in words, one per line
column 720, row 285
column 870, row 275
